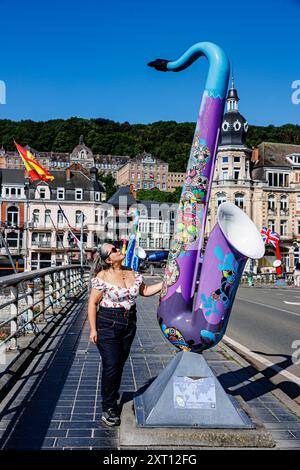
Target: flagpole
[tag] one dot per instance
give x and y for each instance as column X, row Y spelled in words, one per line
column 81, row 241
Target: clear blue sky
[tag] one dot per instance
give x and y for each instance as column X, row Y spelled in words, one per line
column 63, row 58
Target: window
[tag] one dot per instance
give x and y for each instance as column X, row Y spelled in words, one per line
column 225, row 174
column 60, row 193
column 59, row 240
column 298, row 227
column 96, row 217
column 283, row 228
column 271, row 225
column 60, row 217
column 236, row 173
column 236, row 159
column 97, row 196
column 19, row 192
column 12, row 216
column 271, row 203
column 239, row 200
column 224, row 159
column 36, row 216
column 7, row 192
column 78, row 217
column 145, row 185
column 47, row 217
column 13, row 191
column 221, row 197
column 283, row 204
column 78, row 194
column 298, row 203
column 12, row 240
column 278, row 179
column 41, row 192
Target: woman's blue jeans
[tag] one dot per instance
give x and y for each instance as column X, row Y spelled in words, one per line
column 116, row 328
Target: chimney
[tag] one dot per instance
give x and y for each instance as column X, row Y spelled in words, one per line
column 68, row 174
column 255, row 154
column 133, row 191
column 93, row 173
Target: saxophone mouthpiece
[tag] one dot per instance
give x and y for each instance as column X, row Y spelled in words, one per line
column 159, row 64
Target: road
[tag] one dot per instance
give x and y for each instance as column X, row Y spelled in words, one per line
column 267, row 322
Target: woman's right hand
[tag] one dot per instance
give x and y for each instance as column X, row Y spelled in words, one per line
column 93, row 336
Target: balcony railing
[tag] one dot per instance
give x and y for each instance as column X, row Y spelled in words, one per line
column 41, row 244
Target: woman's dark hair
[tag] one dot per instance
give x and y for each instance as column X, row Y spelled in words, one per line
column 100, row 263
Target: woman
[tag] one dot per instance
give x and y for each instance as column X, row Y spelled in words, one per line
column 112, row 318
column 296, row 275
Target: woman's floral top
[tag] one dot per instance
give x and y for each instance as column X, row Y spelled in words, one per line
column 115, row 296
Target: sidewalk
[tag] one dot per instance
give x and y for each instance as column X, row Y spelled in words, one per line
column 56, row 403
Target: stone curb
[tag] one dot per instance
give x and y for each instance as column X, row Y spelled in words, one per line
column 241, row 358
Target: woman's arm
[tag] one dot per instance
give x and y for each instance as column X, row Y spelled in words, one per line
column 95, row 298
column 146, row 291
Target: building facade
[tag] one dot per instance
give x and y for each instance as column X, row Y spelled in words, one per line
column 81, row 154
column 40, row 221
column 13, row 216
column 71, row 204
column 175, row 180
column 156, row 224
column 144, row 172
column 264, row 182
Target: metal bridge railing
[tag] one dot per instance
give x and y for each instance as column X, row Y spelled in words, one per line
column 34, row 297
column 266, row 279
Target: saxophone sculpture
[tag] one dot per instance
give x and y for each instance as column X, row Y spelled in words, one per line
column 133, row 253
column 194, row 308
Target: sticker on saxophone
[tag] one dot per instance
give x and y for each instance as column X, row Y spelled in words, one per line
column 175, row 337
column 220, row 300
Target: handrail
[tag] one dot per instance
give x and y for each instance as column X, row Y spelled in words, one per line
column 57, row 285
column 12, row 279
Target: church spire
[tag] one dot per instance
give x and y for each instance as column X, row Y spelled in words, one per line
column 232, row 97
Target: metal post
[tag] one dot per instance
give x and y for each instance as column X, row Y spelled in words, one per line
column 57, row 288
column 41, row 317
column 81, row 240
column 13, row 313
column 50, row 291
column 67, row 276
column 63, row 286
column 29, row 298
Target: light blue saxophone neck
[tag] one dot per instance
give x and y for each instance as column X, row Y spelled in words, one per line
column 219, row 66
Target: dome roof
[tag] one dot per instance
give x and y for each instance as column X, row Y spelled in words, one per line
column 81, row 152
column 234, row 129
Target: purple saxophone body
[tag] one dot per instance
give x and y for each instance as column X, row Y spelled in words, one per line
column 190, row 320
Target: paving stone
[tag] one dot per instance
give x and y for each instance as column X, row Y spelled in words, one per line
column 71, row 418
column 80, row 433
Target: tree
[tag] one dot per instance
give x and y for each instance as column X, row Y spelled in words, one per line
column 109, row 182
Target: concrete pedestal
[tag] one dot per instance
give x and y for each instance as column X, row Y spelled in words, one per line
column 186, row 406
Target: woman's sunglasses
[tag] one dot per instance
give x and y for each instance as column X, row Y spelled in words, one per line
column 113, row 250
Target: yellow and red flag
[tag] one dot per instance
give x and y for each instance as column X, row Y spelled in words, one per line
column 35, row 171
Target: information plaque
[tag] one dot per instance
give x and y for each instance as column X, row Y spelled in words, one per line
column 194, row 393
